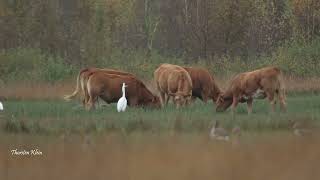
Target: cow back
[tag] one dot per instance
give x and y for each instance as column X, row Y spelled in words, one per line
column 172, row 79
column 203, row 83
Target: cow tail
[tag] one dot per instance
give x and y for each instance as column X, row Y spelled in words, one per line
column 76, row 91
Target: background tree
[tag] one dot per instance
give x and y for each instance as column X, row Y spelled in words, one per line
column 94, row 32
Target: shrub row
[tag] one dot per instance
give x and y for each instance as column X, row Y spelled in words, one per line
column 295, row 58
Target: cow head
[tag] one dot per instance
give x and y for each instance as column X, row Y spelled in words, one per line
column 156, row 102
column 151, row 102
column 181, row 99
column 223, row 102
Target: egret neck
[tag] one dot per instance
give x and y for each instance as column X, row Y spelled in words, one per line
column 123, row 90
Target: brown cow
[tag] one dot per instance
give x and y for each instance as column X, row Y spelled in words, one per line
column 173, row 81
column 108, row 87
column 83, row 77
column 261, row 83
column 204, row 86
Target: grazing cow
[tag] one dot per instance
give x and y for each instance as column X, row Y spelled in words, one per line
column 83, row 77
column 108, row 87
column 173, row 81
column 261, row 83
column 204, row 86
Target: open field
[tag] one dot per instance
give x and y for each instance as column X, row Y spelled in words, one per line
column 155, row 144
column 57, row 116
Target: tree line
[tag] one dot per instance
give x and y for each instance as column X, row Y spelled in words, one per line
column 83, row 31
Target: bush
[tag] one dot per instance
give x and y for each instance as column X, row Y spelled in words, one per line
column 299, row 58
column 296, row 58
column 26, row 64
column 54, row 69
column 19, row 63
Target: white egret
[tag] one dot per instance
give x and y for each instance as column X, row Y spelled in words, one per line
column 122, row 103
column 1, row 107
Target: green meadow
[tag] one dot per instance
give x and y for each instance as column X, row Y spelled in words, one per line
column 57, row 116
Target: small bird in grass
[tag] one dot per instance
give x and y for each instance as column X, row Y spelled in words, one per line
column 1, row 106
column 122, row 103
column 299, row 129
column 220, row 133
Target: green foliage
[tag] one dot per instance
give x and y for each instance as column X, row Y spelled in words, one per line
column 299, row 58
column 85, row 30
column 296, row 58
column 53, row 69
column 19, row 63
column 40, row 39
column 25, row 64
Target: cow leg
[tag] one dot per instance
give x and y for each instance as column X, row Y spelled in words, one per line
column 91, row 102
column 283, row 105
column 272, row 101
column 84, row 91
column 249, row 105
column 167, row 98
column 193, row 99
column 282, row 100
column 162, row 98
column 98, row 102
column 177, row 104
column 186, row 102
column 85, row 98
column 84, row 102
column 214, row 101
column 204, row 98
column 234, row 104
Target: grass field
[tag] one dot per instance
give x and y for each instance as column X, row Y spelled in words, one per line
column 157, row 144
column 56, row 117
